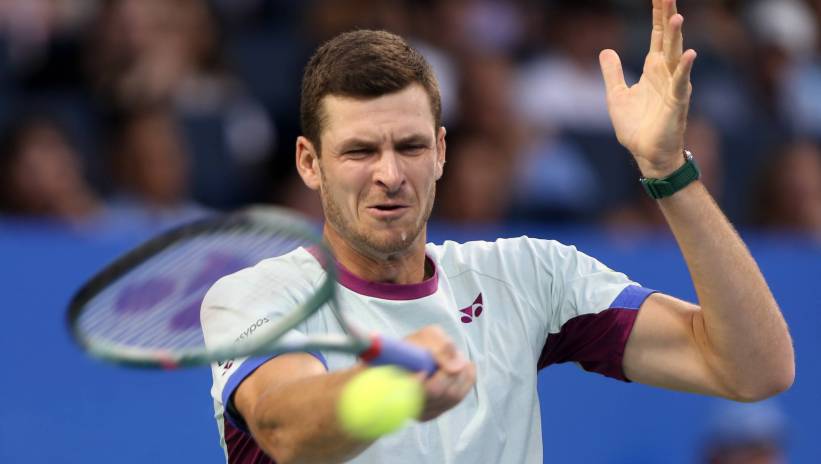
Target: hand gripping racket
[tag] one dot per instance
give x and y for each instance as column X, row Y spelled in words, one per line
column 143, row 309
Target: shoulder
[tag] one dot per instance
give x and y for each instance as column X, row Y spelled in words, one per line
column 521, row 259
column 508, row 254
column 518, row 247
column 291, row 272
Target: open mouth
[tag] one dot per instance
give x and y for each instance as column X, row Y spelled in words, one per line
column 388, row 211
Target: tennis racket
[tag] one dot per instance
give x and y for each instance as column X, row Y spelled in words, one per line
column 143, row 309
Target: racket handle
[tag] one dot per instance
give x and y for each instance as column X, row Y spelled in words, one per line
column 396, row 352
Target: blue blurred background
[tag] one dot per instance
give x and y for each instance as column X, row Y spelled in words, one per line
column 62, row 407
column 119, row 118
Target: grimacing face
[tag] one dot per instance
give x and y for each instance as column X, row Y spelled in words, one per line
column 377, row 172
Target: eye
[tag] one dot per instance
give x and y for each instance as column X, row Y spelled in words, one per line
column 413, row 149
column 359, row 152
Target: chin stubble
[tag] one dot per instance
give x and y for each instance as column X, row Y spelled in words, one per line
column 362, row 240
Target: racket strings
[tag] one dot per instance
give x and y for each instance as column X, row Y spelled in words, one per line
column 156, row 305
column 144, row 283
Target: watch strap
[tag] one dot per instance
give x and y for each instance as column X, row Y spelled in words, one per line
column 680, row 178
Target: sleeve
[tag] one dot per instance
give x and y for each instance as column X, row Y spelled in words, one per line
column 236, row 308
column 592, row 310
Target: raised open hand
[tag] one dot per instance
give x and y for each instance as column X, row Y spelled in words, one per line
column 650, row 117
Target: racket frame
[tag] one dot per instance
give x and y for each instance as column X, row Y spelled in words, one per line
column 274, row 219
column 375, row 350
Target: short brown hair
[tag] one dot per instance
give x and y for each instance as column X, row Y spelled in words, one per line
column 362, row 64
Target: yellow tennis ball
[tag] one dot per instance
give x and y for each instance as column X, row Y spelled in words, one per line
column 379, row 401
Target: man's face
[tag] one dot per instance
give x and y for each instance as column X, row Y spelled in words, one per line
column 379, row 165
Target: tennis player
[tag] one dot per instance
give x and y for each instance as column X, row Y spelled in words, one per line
column 491, row 314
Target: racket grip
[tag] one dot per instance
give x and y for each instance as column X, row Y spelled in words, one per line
column 396, row 352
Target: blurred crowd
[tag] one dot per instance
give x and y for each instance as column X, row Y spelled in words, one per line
column 129, row 113
column 745, row 433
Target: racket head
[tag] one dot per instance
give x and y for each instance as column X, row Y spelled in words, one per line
column 143, row 309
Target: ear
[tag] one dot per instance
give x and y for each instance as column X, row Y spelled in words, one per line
column 441, row 148
column 307, row 163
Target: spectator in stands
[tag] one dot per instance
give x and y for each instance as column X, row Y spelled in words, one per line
column 562, row 86
column 39, row 39
column 758, row 74
column 41, row 174
column 788, row 193
column 485, row 97
column 450, row 32
column 157, row 52
column 536, row 174
column 704, row 141
column 476, row 186
column 152, row 169
column 560, row 92
column 750, row 58
column 153, row 51
column 744, row 433
column 787, row 36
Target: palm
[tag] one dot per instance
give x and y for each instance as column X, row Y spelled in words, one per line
column 645, row 116
column 650, row 117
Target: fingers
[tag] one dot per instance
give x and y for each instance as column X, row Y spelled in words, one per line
column 450, row 388
column 449, row 358
column 453, row 380
column 440, row 346
column 666, row 37
column 612, row 71
column 456, row 375
column 681, row 77
column 657, row 34
column 463, row 383
column 673, row 41
column 445, row 390
column 672, row 9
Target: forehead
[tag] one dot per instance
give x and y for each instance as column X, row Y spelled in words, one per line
column 402, row 112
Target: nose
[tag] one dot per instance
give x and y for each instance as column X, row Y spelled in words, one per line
column 388, row 173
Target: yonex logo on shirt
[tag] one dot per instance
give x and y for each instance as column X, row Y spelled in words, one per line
column 474, row 310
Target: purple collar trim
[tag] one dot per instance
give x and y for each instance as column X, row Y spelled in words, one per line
column 380, row 290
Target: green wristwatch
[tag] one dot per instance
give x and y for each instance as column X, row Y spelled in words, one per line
column 680, row 178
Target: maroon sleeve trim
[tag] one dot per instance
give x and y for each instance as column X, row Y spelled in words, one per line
column 242, row 448
column 595, row 341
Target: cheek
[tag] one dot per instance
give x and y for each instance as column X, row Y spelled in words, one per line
column 345, row 185
column 426, row 177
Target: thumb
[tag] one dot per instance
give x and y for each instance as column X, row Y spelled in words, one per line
column 611, row 71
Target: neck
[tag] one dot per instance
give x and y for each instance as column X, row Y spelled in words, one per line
column 405, row 267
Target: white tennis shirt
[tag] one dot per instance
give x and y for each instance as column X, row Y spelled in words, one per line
column 512, row 307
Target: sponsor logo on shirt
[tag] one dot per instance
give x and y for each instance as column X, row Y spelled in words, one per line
column 225, row 365
column 252, row 328
column 473, row 311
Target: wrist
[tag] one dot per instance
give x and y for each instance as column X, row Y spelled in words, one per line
column 662, row 187
column 662, row 170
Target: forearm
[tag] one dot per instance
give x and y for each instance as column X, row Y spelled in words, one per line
column 740, row 330
column 296, row 422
